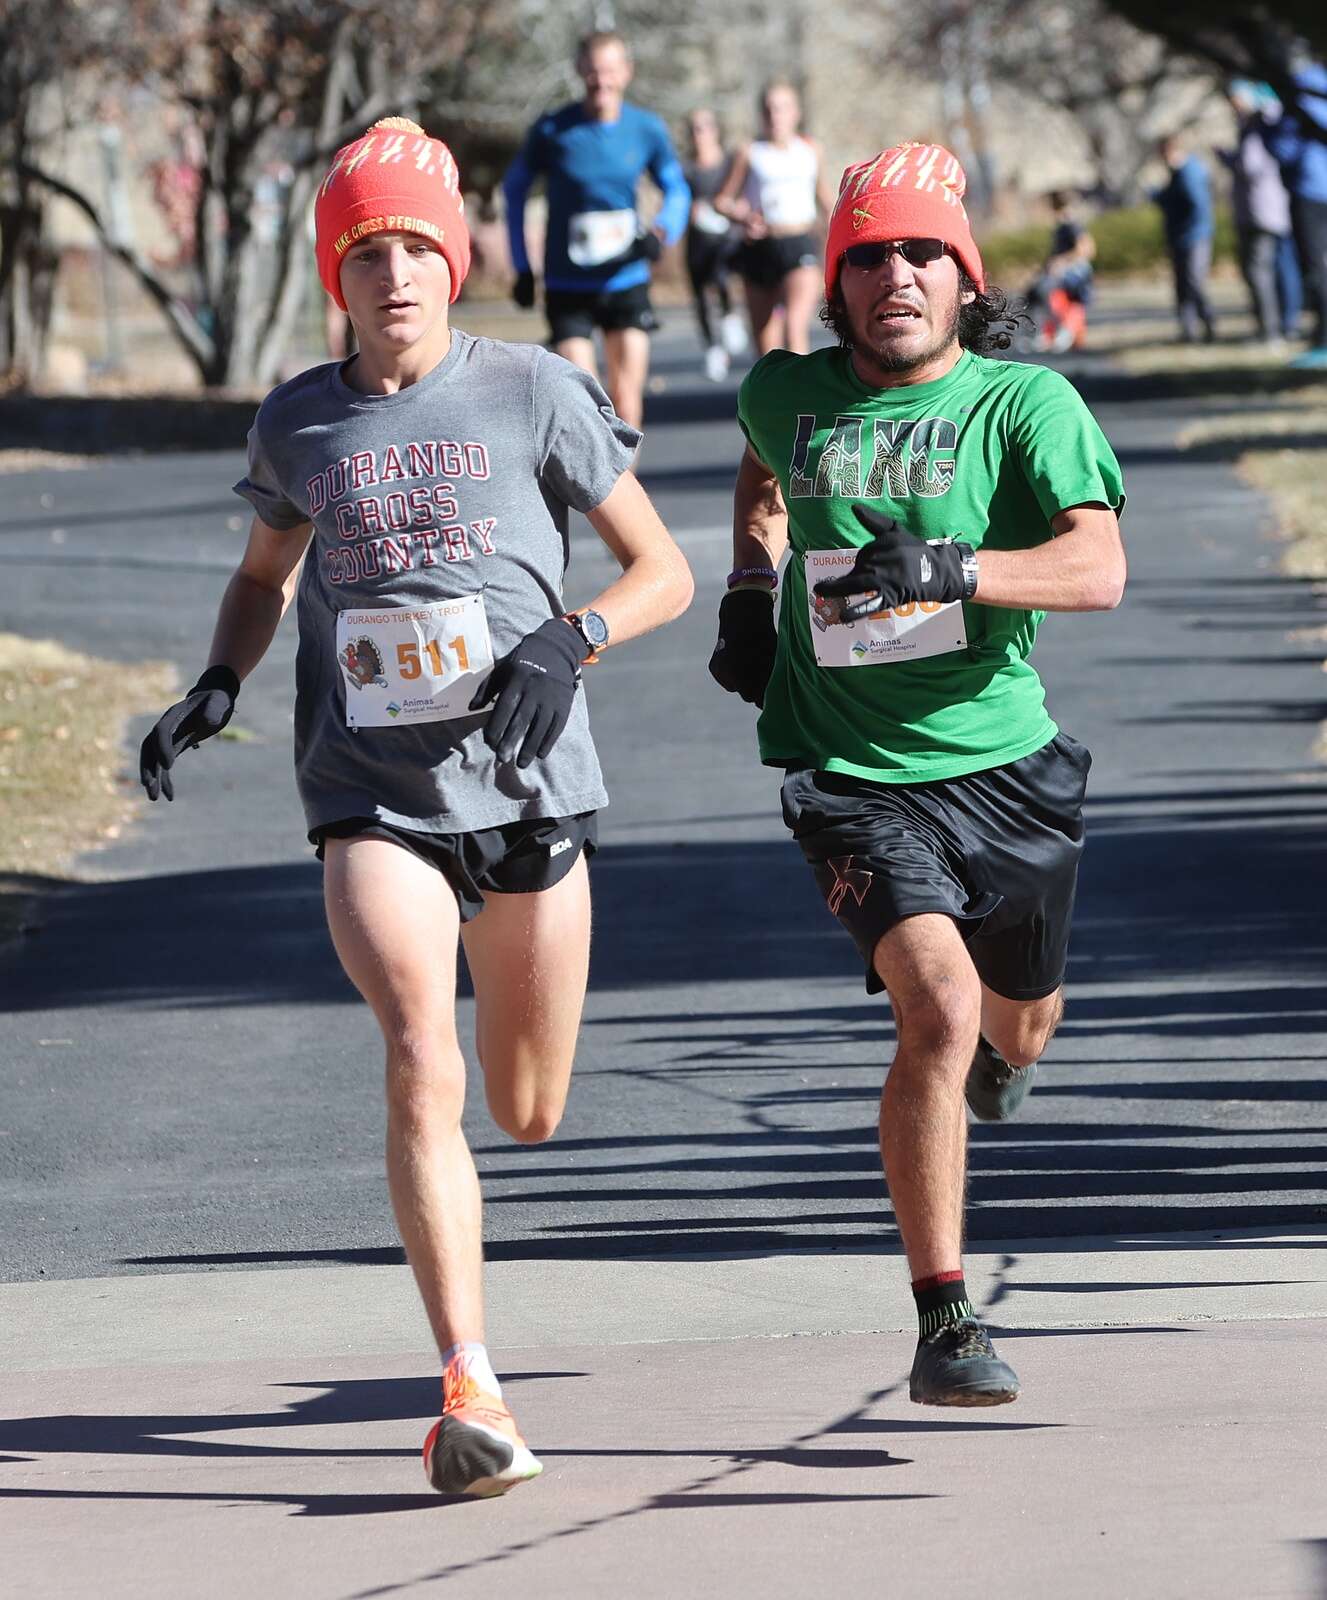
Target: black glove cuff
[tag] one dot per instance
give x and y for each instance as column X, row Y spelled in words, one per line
column 219, row 677
column 565, row 639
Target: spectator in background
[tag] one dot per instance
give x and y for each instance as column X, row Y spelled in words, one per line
column 1186, row 210
column 1299, row 142
column 711, row 244
column 1260, row 204
column 1060, row 296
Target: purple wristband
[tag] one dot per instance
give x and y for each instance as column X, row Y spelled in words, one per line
column 743, row 573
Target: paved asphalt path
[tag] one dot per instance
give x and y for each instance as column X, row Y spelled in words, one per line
column 189, row 1083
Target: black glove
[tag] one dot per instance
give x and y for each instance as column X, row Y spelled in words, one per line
column 522, row 291
column 748, row 637
column 535, row 685
column 205, row 710
column 894, row 568
column 649, row 246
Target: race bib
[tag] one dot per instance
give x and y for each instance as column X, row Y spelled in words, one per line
column 402, row 664
column 906, row 633
column 594, row 237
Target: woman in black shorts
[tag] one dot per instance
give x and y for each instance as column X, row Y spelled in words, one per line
column 776, row 193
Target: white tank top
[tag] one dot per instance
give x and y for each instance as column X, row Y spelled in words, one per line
column 781, row 182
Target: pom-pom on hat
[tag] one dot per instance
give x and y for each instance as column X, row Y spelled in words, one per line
column 393, row 179
column 913, row 191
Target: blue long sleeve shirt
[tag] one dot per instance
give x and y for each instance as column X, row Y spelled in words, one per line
column 1299, row 139
column 1186, row 204
column 591, row 171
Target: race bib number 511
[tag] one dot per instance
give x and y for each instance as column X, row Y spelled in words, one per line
column 908, row 632
column 402, row 665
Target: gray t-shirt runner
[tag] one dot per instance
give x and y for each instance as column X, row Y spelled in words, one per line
column 458, row 484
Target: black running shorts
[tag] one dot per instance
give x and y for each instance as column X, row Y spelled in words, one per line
column 997, row 851
column 517, row 858
column 573, row 314
column 768, row 261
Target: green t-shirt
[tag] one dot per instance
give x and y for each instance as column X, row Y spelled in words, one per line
column 987, row 454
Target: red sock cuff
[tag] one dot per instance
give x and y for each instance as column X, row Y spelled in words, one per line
column 936, row 1281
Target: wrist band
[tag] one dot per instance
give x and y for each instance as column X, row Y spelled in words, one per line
column 742, row 574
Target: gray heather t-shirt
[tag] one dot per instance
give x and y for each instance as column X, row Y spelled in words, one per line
column 457, row 484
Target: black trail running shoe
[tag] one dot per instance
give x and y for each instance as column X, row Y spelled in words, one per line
column 957, row 1366
column 994, row 1089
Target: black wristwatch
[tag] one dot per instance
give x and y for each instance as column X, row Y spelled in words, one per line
column 592, row 629
column 968, row 560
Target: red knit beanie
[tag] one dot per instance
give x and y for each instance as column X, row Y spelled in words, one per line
column 914, row 191
column 394, row 179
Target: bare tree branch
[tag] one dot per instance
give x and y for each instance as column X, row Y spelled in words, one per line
column 184, row 325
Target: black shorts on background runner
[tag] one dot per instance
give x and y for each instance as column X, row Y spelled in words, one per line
column 997, row 851
column 573, row 314
column 517, row 858
column 768, row 261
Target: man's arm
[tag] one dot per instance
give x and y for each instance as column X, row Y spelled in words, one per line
column 656, row 583
column 666, row 170
column 256, row 598
column 760, row 517
column 516, row 186
column 748, row 641
column 1082, row 569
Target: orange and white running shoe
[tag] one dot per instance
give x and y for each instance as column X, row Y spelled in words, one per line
column 475, row 1448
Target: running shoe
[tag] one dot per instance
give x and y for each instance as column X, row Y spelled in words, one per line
column 716, row 363
column 474, row 1448
column 994, row 1089
column 957, row 1366
column 732, row 330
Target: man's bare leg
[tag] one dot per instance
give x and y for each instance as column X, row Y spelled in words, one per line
column 936, row 997
column 923, row 1125
column 1020, row 1029
column 529, row 956
column 1014, row 1034
column 626, row 367
column 394, row 922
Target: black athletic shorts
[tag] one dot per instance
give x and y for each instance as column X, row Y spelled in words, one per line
column 769, row 261
column 575, row 314
column 997, row 851
column 517, row 858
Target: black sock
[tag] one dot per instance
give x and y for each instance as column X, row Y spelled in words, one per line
column 940, row 1299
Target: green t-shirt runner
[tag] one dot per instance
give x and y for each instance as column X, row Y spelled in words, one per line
column 988, row 454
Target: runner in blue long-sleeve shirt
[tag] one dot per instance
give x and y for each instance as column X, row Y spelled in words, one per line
column 597, row 253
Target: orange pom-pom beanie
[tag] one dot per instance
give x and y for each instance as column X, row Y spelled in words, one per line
column 393, row 179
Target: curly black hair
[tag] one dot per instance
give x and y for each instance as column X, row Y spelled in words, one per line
column 987, row 322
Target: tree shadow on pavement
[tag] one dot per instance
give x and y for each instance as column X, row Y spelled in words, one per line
column 719, row 911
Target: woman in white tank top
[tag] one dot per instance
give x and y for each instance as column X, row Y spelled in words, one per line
column 776, row 193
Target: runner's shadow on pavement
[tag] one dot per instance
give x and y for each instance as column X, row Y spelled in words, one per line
column 340, row 1402
column 360, row 1401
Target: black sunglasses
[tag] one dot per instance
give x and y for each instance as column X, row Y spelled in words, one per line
column 916, row 252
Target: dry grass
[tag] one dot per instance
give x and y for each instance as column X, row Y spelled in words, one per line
column 41, row 460
column 1291, row 475
column 63, row 789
